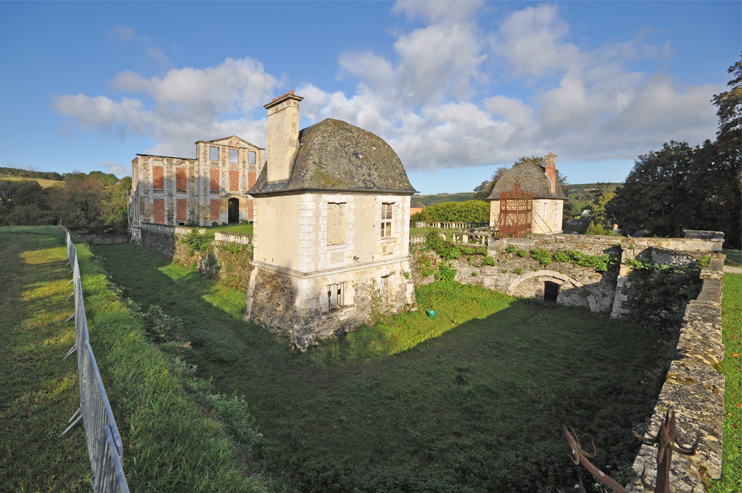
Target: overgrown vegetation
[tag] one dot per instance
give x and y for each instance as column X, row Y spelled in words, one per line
column 413, row 403
column 660, row 293
column 172, row 425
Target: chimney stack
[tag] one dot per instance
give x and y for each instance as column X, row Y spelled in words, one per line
column 283, row 135
column 551, row 170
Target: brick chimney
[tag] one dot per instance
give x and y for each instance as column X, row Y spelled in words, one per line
column 283, row 135
column 551, row 170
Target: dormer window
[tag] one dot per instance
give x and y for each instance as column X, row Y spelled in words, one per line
column 213, row 153
column 386, row 220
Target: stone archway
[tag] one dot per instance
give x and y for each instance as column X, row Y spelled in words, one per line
column 561, row 282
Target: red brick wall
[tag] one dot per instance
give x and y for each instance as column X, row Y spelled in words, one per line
column 180, row 208
column 250, row 179
column 214, row 210
column 158, row 179
column 214, row 179
column 234, row 181
column 180, row 178
column 159, row 209
column 249, row 210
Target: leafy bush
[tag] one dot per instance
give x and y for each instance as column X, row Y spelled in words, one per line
column 518, row 271
column 560, row 257
column 445, row 273
column 197, row 242
column 488, row 260
column 522, row 253
column 543, row 256
column 510, row 249
column 471, row 211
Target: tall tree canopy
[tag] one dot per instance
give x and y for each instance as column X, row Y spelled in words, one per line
column 679, row 187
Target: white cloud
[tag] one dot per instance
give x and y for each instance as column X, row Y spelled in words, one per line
column 116, row 168
column 189, row 104
column 124, row 34
column 438, row 100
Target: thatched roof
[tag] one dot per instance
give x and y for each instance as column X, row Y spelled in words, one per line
column 532, row 179
column 337, row 156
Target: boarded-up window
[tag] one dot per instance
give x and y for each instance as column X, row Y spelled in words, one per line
column 336, row 224
column 214, row 180
column 158, row 178
column 386, row 220
column 250, row 179
column 159, row 211
column 234, row 181
column 180, row 179
column 181, row 206
column 214, row 210
column 335, row 295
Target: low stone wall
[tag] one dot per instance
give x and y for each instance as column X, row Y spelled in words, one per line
column 104, row 238
column 447, row 225
column 694, row 389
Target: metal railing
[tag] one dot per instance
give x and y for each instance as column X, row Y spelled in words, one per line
column 101, row 434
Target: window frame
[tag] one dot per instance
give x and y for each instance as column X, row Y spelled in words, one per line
column 211, row 149
column 386, row 225
column 236, row 156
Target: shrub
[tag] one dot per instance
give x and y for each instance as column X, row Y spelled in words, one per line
column 560, row 257
column 510, row 249
column 518, row 271
column 488, row 260
column 196, row 241
column 522, row 253
column 445, row 273
column 543, row 256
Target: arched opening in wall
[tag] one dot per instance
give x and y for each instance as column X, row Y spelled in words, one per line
column 551, row 291
column 233, row 211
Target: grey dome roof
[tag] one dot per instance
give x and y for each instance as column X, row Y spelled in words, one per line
column 532, row 179
column 337, row 156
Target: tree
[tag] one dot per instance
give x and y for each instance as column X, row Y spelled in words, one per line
column 654, row 195
column 79, row 201
column 680, row 187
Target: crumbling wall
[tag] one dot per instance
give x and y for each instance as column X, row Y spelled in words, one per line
column 694, row 389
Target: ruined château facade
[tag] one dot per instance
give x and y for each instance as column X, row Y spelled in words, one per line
column 210, row 189
column 331, row 229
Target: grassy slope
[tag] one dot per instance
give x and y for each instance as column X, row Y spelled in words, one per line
column 38, row 391
column 473, row 400
column 43, row 182
column 734, row 257
column 169, row 445
column 732, row 334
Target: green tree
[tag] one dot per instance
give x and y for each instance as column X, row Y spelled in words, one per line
column 471, row 211
column 654, row 195
column 79, row 201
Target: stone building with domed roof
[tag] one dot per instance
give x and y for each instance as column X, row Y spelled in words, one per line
column 540, row 183
column 331, row 233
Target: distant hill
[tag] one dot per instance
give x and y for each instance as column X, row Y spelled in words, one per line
column 588, row 186
column 428, row 200
column 42, row 181
column 24, row 173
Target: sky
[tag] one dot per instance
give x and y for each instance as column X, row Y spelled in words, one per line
column 456, row 88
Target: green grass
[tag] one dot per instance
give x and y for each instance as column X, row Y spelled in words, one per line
column 230, row 228
column 38, row 391
column 732, row 335
column 734, row 257
column 171, row 442
column 474, row 400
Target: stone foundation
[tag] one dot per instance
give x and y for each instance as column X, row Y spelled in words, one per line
column 297, row 308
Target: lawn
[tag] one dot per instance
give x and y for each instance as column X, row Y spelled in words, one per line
column 473, row 400
column 230, row 228
column 734, row 257
column 42, row 181
column 172, row 426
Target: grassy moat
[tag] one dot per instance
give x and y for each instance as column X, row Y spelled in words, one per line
column 474, row 400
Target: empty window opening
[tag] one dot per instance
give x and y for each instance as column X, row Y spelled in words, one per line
column 214, row 153
column 386, row 220
column 335, row 295
column 234, row 156
column 251, row 157
column 551, row 291
column 233, row 211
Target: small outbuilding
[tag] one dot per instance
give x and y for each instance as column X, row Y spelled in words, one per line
column 331, row 229
column 538, row 193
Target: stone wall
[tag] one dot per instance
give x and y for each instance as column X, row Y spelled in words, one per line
column 694, row 389
column 104, row 238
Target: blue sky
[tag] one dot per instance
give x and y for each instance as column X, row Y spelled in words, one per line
column 456, row 88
